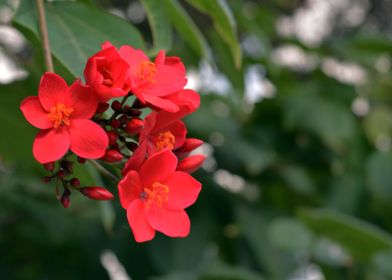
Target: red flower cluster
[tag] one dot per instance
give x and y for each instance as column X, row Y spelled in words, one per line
column 156, row 187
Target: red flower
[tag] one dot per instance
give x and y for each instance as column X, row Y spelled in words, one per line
column 107, row 73
column 156, row 196
column 153, row 82
column 164, row 129
column 62, row 113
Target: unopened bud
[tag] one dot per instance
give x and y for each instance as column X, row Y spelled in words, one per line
column 75, row 182
column 191, row 163
column 116, row 106
column 97, row 193
column 115, row 123
column 65, row 198
column 112, row 156
column 132, row 146
column 102, row 107
column 189, row 145
column 49, row 166
column 60, row 173
column 134, row 126
column 138, row 104
column 112, row 135
column 81, row 160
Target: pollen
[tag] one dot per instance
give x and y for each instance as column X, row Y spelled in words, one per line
column 165, row 140
column 145, row 71
column 158, row 194
column 59, row 114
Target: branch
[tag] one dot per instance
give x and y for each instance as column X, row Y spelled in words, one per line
column 44, row 33
column 104, row 171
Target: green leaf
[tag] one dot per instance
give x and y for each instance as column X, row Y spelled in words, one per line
column 77, row 31
column 281, row 232
column 361, row 239
column 159, row 24
column 224, row 23
column 184, row 25
column 379, row 175
column 382, row 261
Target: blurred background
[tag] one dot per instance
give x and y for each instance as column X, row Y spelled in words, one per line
column 297, row 118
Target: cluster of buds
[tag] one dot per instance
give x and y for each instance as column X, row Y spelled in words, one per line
column 96, row 121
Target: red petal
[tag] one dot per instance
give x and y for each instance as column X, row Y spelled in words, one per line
column 161, row 103
column 129, row 188
column 172, row 223
column 34, row 113
column 183, row 191
column 88, row 139
column 158, row 168
column 136, row 160
column 132, row 56
column 51, row 144
column 52, row 90
column 141, row 229
column 191, row 163
column 84, row 101
column 177, row 128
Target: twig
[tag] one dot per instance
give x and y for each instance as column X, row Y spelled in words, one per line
column 44, row 33
column 104, row 171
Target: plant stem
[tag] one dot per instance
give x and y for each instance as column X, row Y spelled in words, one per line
column 44, row 33
column 104, row 171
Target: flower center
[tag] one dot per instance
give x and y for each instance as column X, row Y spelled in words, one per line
column 165, row 140
column 59, row 114
column 107, row 77
column 158, row 194
column 145, row 71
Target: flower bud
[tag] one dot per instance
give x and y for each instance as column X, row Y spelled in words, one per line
column 191, row 163
column 97, row 193
column 132, row 112
column 132, row 146
column 116, row 106
column 112, row 156
column 102, row 107
column 115, row 123
column 81, row 160
column 138, row 104
column 49, row 166
column 60, row 174
column 75, row 182
column 134, row 126
column 112, row 135
column 189, row 145
column 123, row 119
column 65, row 198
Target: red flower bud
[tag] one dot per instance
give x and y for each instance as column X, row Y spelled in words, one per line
column 65, row 198
column 112, row 135
column 81, row 160
column 191, row 163
column 112, row 156
column 116, row 106
column 115, row 123
column 49, row 166
column 60, row 173
column 97, row 193
column 132, row 146
column 75, row 182
column 123, row 119
column 102, row 107
column 134, row 126
column 189, row 145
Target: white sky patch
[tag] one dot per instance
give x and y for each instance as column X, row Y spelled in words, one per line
column 229, row 181
column 9, row 71
column 360, row 106
column 345, row 72
column 294, row 58
column 309, row 272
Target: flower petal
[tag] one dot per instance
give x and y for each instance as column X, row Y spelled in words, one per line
column 172, row 223
column 84, row 101
column 158, row 168
column 51, row 144
column 52, row 90
column 183, row 191
column 129, row 188
column 160, row 103
column 132, row 56
column 34, row 113
column 141, row 229
column 88, row 139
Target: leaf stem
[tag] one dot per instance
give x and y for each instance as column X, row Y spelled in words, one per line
column 104, row 171
column 44, row 33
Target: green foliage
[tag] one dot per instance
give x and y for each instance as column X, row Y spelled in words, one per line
column 299, row 179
